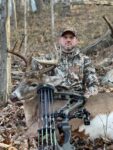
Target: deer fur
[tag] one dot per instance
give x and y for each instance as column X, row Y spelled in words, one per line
column 101, row 108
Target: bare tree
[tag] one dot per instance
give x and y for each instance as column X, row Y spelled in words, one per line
column 39, row 5
column 3, row 72
column 66, row 7
column 5, row 45
column 14, row 13
column 46, row 1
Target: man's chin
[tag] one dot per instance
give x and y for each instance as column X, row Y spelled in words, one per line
column 67, row 50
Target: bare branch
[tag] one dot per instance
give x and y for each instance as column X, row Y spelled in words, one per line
column 109, row 24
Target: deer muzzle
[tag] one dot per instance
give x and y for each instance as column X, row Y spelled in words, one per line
column 14, row 98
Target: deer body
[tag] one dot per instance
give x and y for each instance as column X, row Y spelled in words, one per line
column 100, row 107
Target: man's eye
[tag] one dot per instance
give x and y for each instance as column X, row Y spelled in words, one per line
column 33, row 84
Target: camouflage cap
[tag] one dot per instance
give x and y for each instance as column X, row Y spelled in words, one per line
column 68, row 30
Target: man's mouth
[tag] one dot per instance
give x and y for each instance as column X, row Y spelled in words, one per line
column 68, row 44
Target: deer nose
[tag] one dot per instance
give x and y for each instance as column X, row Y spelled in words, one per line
column 14, row 97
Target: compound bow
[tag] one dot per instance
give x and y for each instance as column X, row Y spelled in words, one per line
column 51, row 120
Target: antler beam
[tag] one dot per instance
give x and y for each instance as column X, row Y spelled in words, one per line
column 20, row 56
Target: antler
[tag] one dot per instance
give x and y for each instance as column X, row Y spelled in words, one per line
column 45, row 61
column 53, row 61
column 39, row 73
column 16, row 53
column 20, row 56
column 47, row 64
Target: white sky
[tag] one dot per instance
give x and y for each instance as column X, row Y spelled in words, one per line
column 33, row 5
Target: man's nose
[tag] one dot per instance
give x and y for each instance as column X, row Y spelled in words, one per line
column 68, row 40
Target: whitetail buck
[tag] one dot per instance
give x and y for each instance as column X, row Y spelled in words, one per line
column 100, row 107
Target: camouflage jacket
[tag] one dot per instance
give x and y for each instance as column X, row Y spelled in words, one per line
column 76, row 72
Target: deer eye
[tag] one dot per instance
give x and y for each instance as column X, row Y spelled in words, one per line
column 34, row 84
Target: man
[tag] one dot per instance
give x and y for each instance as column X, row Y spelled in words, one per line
column 74, row 71
column 75, row 68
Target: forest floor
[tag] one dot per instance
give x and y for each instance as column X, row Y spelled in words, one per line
column 13, row 128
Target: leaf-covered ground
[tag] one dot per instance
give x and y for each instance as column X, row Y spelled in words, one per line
column 13, row 128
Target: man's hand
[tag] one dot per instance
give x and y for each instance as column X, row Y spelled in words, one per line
column 87, row 95
column 91, row 91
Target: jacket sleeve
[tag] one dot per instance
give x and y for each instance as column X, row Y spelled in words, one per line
column 90, row 77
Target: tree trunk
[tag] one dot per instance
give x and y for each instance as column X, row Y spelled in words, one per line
column 30, row 5
column 66, row 8
column 14, row 13
column 39, row 5
column 9, row 86
column 4, row 61
column 46, row 1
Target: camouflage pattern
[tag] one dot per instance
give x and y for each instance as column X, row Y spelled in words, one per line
column 76, row 71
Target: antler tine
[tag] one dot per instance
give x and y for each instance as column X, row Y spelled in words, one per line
column 29, row 60
column 38, row 74
column 16, row 53
column 14, row 46
column 46, row 69
column 21, row 42
column 53, row 61
column 46, row 62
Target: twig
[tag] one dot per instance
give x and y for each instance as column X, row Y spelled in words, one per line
column 109, row 24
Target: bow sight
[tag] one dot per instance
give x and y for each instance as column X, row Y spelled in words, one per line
column 51, row 120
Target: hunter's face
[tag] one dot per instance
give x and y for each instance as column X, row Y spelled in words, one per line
column 68, row 41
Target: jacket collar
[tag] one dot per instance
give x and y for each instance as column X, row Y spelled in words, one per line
column 74, row 52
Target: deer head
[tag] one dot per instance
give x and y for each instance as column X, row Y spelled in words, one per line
column 26, row 91
column 32, row 76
